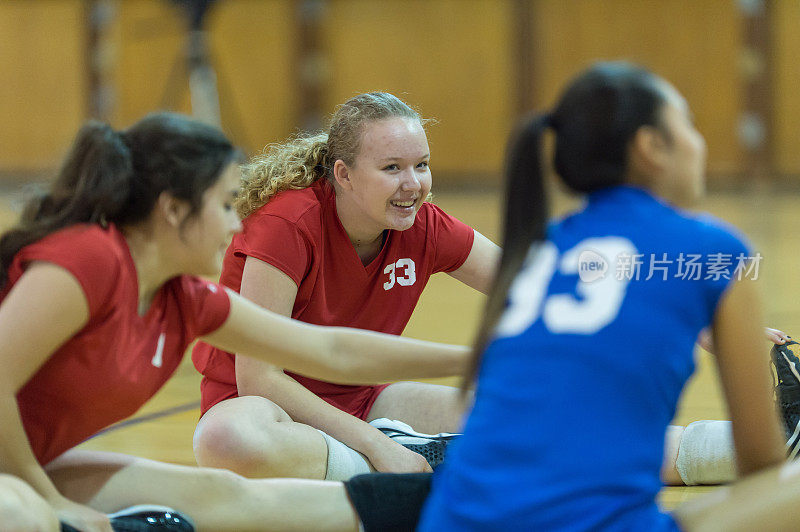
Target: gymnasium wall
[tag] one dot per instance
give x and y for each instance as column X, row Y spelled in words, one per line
column 458, row 61
column 42, row 82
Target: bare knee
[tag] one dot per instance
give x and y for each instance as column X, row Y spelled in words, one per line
column 222, row 442
column 240, row 439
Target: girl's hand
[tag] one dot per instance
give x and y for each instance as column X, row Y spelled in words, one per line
column 24, row 510
column 81, row 517
column 391, row 457
column 776, row 336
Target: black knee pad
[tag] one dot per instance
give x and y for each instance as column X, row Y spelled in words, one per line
column 390, row 502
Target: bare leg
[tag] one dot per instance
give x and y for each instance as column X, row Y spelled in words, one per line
column 672, row 441
column 214, row 499
column 428, row 408
column 256, row 438
column 765, row 501
column 22, row 509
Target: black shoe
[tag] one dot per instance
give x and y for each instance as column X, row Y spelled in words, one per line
column 787, row 391
column 149, row 518
column 433, row 451
column 432, row 446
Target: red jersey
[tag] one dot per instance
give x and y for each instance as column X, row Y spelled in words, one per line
column 299, row 233
column 119, row 359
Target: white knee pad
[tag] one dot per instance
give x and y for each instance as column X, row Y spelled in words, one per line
column 343, row 462
column 706, row 454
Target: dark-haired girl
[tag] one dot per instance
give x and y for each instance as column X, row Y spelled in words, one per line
column 567, row 432
column 100, row 300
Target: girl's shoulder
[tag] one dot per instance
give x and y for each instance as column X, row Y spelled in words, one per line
column 86, row 242
column 293, row 205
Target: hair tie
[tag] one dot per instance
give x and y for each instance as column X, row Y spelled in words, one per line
column 123, row 137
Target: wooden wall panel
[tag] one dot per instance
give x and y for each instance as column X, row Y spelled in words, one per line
column 694, row 45
column 149, row 40
column 448, row 58
column 42, row 61
column 786, row 96
column 251, row 48
column 453, row 59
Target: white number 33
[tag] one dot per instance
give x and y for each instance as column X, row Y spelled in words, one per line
column 401, row 272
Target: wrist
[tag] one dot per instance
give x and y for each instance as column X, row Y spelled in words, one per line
column 56, row 501
column 371, row 442
column 458, row 360
column 41, row 483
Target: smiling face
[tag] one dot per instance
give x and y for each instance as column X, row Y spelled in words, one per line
column 388, row 181
column 207, row 233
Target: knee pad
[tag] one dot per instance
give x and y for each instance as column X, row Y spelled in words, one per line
column 706, row 454
column 389, row 502
column 343, row 462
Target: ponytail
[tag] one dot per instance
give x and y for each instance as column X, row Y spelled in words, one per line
column 595, row 119
column 117, row 177
column 293, row 165
column 92, row 186
column 525, row 222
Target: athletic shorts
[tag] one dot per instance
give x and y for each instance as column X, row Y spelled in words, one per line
column 355, row 400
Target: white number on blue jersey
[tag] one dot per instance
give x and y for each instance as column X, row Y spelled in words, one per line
column 403, row 272
column 600, row 300
column 528, row 289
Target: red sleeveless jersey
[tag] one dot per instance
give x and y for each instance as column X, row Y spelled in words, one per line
column 119, row 359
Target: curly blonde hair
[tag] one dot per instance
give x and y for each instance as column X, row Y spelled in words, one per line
column 302, row 160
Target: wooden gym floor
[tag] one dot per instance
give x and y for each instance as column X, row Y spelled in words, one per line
column 449, row 312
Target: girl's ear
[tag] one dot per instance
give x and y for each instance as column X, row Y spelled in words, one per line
column 648, row 151
column 172, row 209
column 341, row 173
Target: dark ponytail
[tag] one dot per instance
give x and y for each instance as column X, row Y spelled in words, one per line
column 116, row 177
column 595, row 120
column 92, row 186
column 525, row 221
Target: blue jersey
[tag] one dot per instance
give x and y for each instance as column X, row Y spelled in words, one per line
column 584, row 372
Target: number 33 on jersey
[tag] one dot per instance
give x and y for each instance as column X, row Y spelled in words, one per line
column 402, row 272
column 599, row 300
